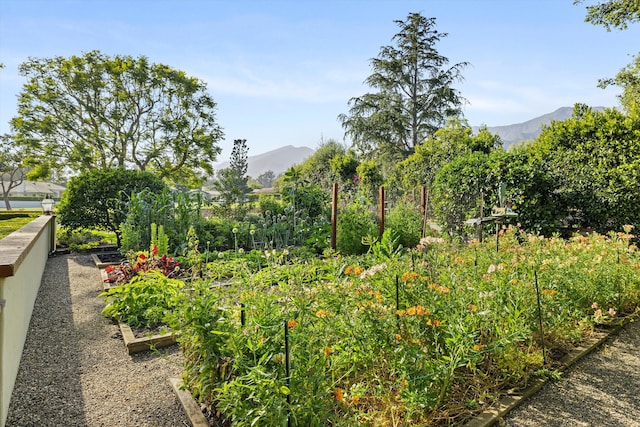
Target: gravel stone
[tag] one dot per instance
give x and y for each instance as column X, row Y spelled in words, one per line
column 602, row 389
column 75, row 369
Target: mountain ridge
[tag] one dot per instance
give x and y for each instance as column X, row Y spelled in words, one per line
column 530, row 129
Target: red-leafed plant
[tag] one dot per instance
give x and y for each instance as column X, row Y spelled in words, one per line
column 140, row 263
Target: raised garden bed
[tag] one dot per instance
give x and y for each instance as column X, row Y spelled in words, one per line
column 139, row 344
column 104, row 259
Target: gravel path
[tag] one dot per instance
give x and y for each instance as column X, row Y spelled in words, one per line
column 602, row 389
column 75, row 370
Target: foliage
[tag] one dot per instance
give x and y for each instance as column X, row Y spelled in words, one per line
column 175, row 211
column 414, row 95
column 615, row 14
column 99, row 198
column 145, row 300
column 402, row 338
column 355, row 222
column 406, row 221
column 593, row 160
column 12, row 172
column 232, row 181
column 629, row 80
column 97, row 112
column 140, row 263
column 370, row 179
column 266, row 178
column 458, row 188
column 317, row 168
column 82, row 239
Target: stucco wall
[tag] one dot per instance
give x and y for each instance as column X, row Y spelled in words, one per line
column 23, row 256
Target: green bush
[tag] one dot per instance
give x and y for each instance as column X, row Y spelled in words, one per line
column 406, row 222
column 355, row 221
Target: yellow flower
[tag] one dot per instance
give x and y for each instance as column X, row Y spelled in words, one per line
column 478, row 347
column 323, row 313
column 358, row 271
column 339, row 394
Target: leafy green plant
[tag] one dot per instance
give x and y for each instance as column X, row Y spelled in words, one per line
column 144, row 300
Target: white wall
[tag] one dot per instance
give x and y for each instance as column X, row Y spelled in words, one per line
column 23, row 256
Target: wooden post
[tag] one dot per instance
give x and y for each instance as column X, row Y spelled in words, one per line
column 334, row 215
column 381, row 230
column 423, row 209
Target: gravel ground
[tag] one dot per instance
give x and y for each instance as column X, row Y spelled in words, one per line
column 602, row 389
column 75, row 370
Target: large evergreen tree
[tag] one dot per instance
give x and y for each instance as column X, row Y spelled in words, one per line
column 414, row 92
column 232, row 181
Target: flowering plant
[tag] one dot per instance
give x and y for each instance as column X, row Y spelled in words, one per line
column 142, row 263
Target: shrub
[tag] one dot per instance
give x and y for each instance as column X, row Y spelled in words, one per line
column 355, row 221
column 406, row 222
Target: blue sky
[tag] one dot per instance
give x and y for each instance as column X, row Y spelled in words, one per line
column 282, row 70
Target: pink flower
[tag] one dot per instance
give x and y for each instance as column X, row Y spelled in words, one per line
column 594, row 305
column 612, row 312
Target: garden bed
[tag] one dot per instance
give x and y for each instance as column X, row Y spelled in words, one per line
column 103, row 259
column 136, row 343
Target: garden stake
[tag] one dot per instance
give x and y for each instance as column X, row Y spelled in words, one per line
column 242, row 318
column 544, row 355
column 397, row 301
column 287, row 368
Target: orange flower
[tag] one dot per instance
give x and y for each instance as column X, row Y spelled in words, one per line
column 472, row 307
column 436, row 322
column 328, row 351
column 358, row 270
column 409, row 275
column 323, row 313
column 478, row 347
column 339, row 394
column 549, row 292
column 355, row 400
column 292, row 323
column 378, row 296
column 411, row 311
column 401, row 313
column 348, row 270
column 398, row 337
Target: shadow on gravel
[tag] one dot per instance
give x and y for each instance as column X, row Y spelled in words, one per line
column 48, row 389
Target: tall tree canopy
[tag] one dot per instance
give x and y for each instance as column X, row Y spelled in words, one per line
column 613, row 13
column 415, row 93
column 95, row 112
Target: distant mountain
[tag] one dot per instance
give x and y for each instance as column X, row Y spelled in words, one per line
column 278, row 160
column 530, row 129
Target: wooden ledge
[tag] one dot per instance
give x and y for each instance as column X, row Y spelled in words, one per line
column 15, row 247
column 137, row 345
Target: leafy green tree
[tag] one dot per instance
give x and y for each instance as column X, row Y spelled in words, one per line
column 446, row 144
column 96, row 112
column 98, row 198
column 266, row 178
column 457, row 190
column 414, row 96
column 317, row 167
column 345, row 166
column 629, row 80
column 12, row 172
column 615, row 14
column 232, row 181
column 369, row 179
